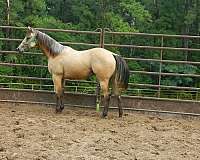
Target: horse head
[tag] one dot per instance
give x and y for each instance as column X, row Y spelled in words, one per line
column 29, row 41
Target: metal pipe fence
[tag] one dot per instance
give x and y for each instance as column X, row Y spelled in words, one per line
column 102, row 34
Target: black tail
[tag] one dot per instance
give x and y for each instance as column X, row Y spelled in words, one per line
column 121, row 75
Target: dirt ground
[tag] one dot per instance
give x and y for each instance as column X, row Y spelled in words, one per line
column 35, row 132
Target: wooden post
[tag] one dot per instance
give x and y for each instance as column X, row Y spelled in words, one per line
column 8, row 23
column 160, row 67
column 8, row 12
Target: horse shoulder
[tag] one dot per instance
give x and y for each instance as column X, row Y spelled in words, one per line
column 55, row 65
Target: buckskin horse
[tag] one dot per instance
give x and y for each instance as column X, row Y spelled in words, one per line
column 67, row 63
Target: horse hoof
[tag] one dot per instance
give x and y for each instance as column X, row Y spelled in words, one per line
column 58, row 110
column 103, row 115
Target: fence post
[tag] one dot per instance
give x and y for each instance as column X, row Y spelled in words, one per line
column 160, row 67
column 102, row 35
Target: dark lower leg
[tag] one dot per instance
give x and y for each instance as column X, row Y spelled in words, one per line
column 59, row 103
column 120, row 106
column 62, row 94
column 98, row 95
column 106, row 105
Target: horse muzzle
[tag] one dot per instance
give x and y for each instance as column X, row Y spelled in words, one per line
column 20, row 50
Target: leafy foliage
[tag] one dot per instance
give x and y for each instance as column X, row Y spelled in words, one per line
column 158, row 16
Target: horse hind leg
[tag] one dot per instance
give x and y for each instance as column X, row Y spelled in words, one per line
column 120, row 106
column 105, row 89
column 58, row 87
column 117, row 93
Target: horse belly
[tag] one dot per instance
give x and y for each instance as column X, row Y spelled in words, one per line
column 77, row 66
column 77, row 73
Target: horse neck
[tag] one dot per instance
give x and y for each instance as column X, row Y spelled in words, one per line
column 45, row 51
column 48, row 45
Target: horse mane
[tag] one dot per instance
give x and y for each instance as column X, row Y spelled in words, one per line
column 50, row 44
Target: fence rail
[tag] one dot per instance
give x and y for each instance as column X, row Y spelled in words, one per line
column 153, row 35
column 102, row 35
column 152, row 47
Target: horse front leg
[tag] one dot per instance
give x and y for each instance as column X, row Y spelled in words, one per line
column 58, row 87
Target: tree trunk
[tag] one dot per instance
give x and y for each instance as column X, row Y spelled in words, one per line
column 186, row 28
column 8, row 23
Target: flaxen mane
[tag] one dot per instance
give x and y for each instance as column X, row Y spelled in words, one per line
column 50, row 44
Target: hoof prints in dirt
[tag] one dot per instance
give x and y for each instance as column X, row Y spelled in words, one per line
column 36, row 132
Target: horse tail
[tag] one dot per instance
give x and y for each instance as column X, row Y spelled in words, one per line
column 120, row 77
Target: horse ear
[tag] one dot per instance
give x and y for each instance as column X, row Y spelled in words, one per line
column 30, row 29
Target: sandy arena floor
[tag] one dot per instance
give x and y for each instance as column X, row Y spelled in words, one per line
column 34, row 132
